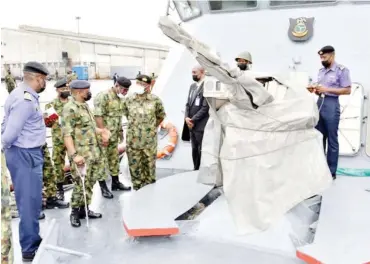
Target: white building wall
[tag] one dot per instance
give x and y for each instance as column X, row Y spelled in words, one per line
column 23, row 46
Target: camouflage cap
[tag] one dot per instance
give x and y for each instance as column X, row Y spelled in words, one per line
column 79, row 84
column 123, row 81
column 36, row 67
column 144, row 78
column 325, row 50
column 61, row 83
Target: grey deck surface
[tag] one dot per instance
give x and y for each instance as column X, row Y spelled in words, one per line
column 158, row 205
column 343, row 230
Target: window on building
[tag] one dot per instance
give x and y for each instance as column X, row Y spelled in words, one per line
column 300, row 2
column 187, row 10
column 231, row 5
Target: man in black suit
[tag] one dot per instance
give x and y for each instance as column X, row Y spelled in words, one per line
column 196, row 115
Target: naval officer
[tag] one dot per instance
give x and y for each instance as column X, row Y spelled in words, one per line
column 333, row 80
column 23, row 133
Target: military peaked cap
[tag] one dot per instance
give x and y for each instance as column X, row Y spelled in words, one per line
column 35, row 67
column 326, row 49
column 124, row 82
column 61, row 83
column 79, row 84
column 144, row 78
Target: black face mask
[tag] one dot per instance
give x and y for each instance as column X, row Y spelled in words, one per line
column 88, row 96
column 242, row 66
column 65, row 94
column 41, row 90
column 43, row 86
column 196, row 78
column 326, row 64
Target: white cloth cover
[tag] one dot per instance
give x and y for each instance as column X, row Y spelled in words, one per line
column 271, row 157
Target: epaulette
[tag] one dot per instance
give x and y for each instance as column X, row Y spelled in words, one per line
column 341, row 67
column 27, row 96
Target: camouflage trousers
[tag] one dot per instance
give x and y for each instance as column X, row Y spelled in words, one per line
column 142, row 165
column 6, row 218
column 59, row 156
column 111, row 157
column 49, row 176
column 93, row 172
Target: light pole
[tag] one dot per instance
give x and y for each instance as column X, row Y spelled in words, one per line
column 78, row 24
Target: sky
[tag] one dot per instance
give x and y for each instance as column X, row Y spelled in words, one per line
column 128, row 19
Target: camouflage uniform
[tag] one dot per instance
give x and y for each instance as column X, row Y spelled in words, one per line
column 78, row 122
column 59, row 149
column 49, row 176
column 10, row 82
column 6, row 218
column 109, row 106
column 144, row 114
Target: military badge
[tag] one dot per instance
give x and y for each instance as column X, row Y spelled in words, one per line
column 300, row 29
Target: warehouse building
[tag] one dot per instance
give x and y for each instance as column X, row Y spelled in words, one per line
column 60, row 50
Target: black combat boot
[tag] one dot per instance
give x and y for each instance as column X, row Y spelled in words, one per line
column 104, row 190
column 60, row 191
column 91, row 214
column 75, row 218
column 118, row 186
column 53, row 202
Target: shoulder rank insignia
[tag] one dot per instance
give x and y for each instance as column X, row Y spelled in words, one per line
column 341, row 67
column 27, row 96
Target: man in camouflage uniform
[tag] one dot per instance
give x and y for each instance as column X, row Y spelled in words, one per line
column 108, row 114
column 59, row 150
column 144, row 112
column 10, row 82
column 81, row 140
column 49, row 181
column 6, row 218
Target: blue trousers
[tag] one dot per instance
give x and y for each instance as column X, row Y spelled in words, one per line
column 25, row 167
column 328, row 126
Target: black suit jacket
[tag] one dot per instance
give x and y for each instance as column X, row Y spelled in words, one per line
column 196, row 112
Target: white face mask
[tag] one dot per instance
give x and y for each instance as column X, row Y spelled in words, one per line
column 140, row 89
column 121, row 96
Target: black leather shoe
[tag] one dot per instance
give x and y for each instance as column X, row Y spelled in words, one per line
column 60, row 191
column 91, row 214
column 74, row 218
column 41, row 216
column 104, row 190
column 118, row 186
column 53, row 202
column 28, row 257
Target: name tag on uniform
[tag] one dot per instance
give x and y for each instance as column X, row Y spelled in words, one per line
column 197, row 101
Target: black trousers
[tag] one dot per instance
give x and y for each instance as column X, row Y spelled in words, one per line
column 196, row 138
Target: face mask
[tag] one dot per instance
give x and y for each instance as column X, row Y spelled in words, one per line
column 326, row 64
column 242, row 66
column 195, row 78
column 140, row 90
column 88, row 96
column 121, row 96
column 65, row 94
column 42, row 86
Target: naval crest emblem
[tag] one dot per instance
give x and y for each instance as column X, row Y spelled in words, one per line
column 300, row 29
